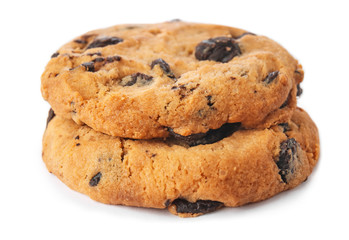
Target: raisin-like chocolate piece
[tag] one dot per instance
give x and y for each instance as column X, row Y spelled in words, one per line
column 51, row 114
column 80, row 41
column 288, row 158
column 113, row 58
column 219, row 49
column 299, row 90
column 105, row 41
column 99, row 59
column 95, row 179
column 55, row 55
column 209, row 101
column 164, row 66
column 140, row 79
column 89, row 66
column 271, row 77
column 212, row 136
column 200, row 206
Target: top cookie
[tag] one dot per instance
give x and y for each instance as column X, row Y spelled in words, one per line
column 146, row 81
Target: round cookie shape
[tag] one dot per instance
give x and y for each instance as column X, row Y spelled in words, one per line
column 139, row 81
column 247, row 166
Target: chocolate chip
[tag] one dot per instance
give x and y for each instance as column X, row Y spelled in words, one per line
column 95, row 179
column 55, row 55
column 113, row 58
column 77, row 137
column 209, row 102
column 140, row 79
column 271, row 77
column 105, row 41
column 164, row 66
column 212, row 136
column 287, row 159
column 51, row 114
column 100, row 59
column 219, row 49
column 299, row 90
column 244, row 34
column 89, row 66
column 200, row 206
column 80, row 41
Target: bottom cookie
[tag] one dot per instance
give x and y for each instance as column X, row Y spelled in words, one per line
column 246, row 166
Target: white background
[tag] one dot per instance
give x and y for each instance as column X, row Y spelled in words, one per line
column 35, row 204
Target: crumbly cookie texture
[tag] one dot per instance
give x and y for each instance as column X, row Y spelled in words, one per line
column 139, row 81
column 247, row 166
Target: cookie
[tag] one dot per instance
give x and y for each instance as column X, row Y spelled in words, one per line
column 246, row 166
column 143, row 81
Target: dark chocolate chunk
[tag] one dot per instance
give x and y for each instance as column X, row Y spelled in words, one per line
column 200, row 206
column 95, row 179
column 287, row 159
column 51, row 114
column 55, row 55
column 99, row 59
column 212, row 136
column 113, row 58
column 80, row 41
column 105, row 41
column 140, row 79
column 77, row 137
column 89, row 66
column 271, row 77
column 164, row 66
column 299, row 90
column 244, row 34
column 209, row 101
column 219, row 49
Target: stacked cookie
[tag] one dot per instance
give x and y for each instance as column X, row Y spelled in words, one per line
column 185, row 116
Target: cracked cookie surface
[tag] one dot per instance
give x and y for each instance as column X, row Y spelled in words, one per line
column 139, row 81
column 246, row 166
